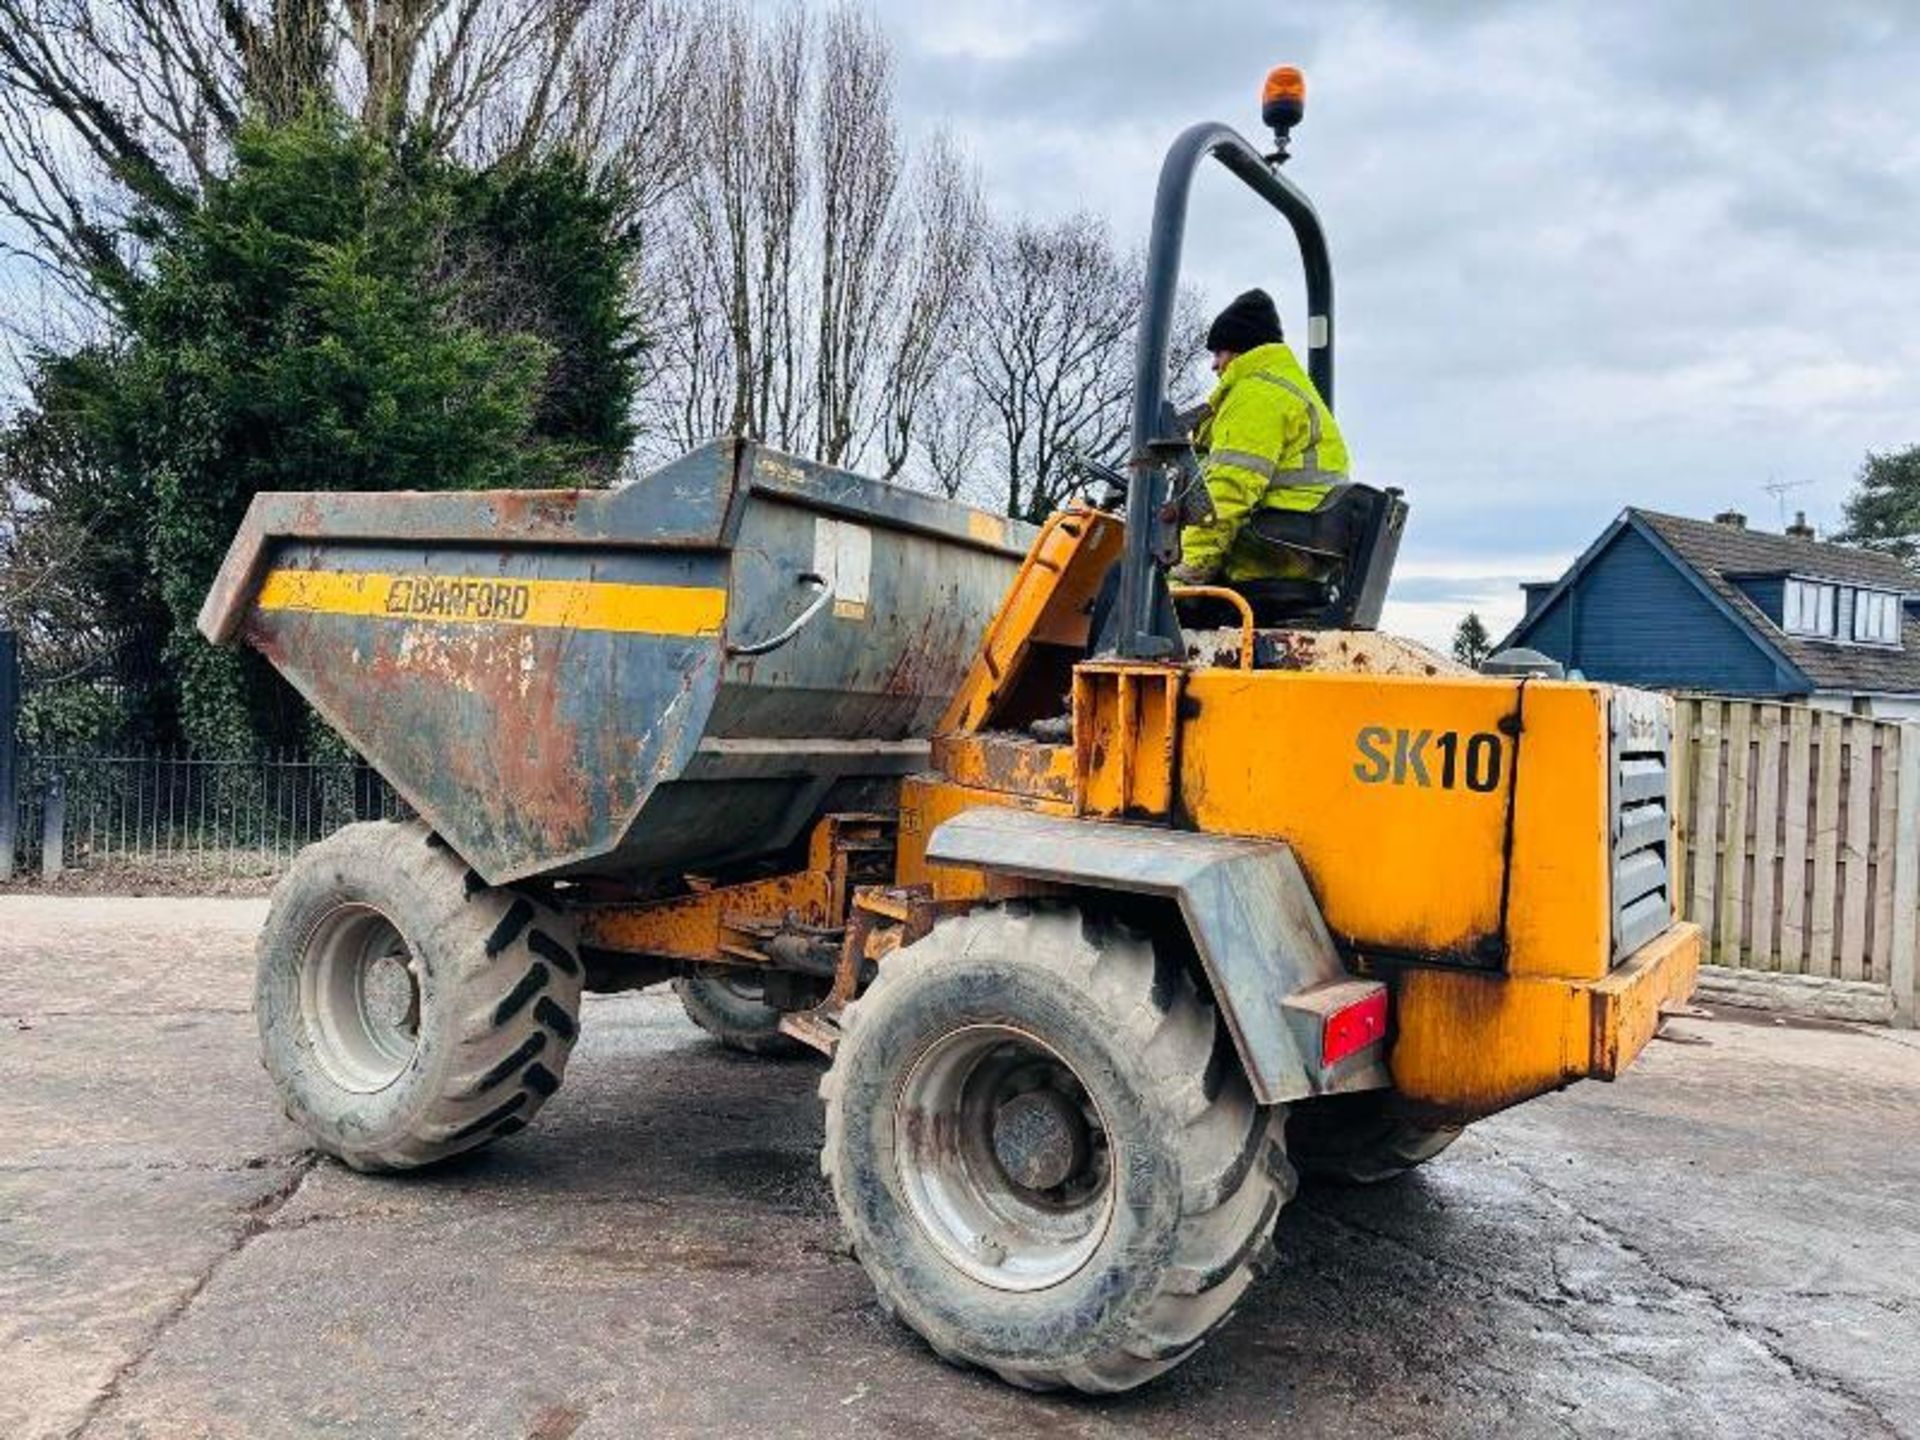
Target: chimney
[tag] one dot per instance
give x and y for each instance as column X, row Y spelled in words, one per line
column 1800, row 529
column 1732, row 519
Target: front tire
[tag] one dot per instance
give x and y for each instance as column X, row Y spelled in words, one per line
column 407, row 1011
column 1045, row 1157
column 1360, row 1139
column 729, row 1007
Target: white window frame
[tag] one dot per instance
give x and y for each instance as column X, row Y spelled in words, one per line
column 1876, row 617
column 1809, row 608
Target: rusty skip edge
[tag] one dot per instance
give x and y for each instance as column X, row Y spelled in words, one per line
column 685, row 504
column 694, row 502
column 857, row 497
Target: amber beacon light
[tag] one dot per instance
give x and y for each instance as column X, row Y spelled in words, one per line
column 1283, row 104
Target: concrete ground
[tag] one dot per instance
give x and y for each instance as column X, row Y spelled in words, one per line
column 1725, row 1243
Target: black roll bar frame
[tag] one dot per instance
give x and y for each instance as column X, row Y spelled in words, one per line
column 1145, row 612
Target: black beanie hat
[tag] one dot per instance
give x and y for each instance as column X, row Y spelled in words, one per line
column 1249, row 321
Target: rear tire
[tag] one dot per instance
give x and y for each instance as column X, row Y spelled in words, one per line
column 407, row 1011
column 1138, row 1219
column 1358, row 1140
column 727, row 1008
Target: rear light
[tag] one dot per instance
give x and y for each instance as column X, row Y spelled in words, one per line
column 1353, row 1027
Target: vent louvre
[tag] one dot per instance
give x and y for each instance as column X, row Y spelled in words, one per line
column 1639, row 745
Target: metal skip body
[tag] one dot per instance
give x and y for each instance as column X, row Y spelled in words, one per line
column 671, row 673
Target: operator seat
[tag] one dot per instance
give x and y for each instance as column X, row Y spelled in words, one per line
column 1345, row 546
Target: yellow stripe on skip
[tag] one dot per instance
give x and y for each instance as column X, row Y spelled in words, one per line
column 478, row 600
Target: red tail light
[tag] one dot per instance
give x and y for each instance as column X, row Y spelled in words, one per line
column 1353, row 1027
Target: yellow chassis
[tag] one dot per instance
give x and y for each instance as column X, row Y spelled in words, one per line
column 1480, row 899
column 1468, row 1044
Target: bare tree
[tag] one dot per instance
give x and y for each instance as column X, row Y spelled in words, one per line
column 687, row 391
column 807, row 277
column 110, row 108
column 943, row 251
column 953, row 441
column 862, row 244
column 722, row 275
column 1048, row 333
column 835, row 257
column 629, row 82
column 101, row 111
column 73, row 564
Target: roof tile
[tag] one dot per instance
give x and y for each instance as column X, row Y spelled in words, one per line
column 1717, row 552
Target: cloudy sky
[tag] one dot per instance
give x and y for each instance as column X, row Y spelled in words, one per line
column 1656, row 252
column 1587, row 255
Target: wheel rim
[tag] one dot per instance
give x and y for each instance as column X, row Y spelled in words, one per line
column 1003, row 1158
column 360, row 995
column 753, row 991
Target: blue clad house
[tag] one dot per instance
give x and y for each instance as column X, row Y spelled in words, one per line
column 1675, row 604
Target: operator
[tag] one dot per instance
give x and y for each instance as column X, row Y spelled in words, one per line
column 1267, row 441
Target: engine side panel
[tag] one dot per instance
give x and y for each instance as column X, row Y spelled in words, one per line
column 1458, row 820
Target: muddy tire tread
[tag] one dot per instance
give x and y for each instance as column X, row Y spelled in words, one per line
column 513, row 1000
column 1231, row 1153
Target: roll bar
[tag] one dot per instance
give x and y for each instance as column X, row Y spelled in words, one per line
column 1146, row 629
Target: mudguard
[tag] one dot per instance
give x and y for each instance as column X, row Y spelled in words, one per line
column 1267, row 953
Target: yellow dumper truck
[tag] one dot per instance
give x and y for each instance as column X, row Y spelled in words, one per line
column 1112, row 904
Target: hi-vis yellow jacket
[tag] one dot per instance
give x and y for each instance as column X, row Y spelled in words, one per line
column 1270, row 443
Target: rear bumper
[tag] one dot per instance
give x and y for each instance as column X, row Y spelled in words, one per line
column 1627, row 1004
column 1468, row 1043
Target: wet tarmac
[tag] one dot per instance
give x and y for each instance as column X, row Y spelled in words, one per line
column 1727, row 1242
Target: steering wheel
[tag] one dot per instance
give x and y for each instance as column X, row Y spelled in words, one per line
column 1094, row 471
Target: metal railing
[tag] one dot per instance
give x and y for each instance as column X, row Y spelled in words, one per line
column 192, row 816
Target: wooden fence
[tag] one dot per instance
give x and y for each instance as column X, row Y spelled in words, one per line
column 1799, row 841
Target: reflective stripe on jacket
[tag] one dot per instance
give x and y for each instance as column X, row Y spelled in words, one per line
column 1270, row 443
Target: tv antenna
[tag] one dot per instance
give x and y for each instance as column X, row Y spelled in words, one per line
column 1780, row 489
